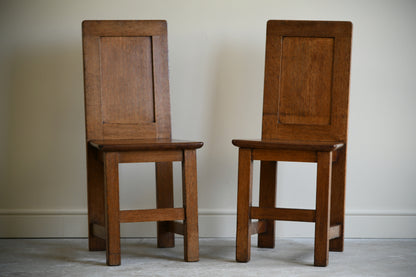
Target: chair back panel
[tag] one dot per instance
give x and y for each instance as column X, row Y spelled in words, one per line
column 307, row 80
column 126, row 79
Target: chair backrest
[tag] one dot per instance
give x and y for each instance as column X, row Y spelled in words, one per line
column 126, row 79
column 306, row 85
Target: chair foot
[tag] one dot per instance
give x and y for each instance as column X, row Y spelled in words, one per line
column 245, row 176
column 321, row 263
column 190, row 203
column 242, row 258
column 192, row 259
column 113, row 259
column 336, row 245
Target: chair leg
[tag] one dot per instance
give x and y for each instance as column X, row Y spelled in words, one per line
column 95, row 184
column 338, row 199
column 190, row 204
column 245, row 176
column 323, row 194
column 164, row 199
column 112, row 208
column 267, row 200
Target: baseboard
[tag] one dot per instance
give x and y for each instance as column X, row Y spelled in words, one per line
column 212, row 223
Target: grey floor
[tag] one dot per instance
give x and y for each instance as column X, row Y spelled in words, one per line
column 140, row 257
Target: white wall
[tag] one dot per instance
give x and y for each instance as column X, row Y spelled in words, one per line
column 216, row 53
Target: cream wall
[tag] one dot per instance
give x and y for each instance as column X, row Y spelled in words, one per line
column 216, row 52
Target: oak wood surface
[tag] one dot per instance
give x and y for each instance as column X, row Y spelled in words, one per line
column 119, row 71
column 112, row 208
column 309, row 44
column 258, row 227
column 143, row 144
column 96, row 196
column 283, row 214
column 127, row 120
column 323, row 201
column 164, row 199
column 284, row 155
column 245, row 176
column 150, row 156
column 160, row 214
column 289, row 144
column 338, row 199
column 177, row 228
column 305, row 119
column 267, row 199
column 126, row 79
column 190, row 204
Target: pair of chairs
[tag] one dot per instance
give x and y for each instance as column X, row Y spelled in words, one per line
column 128, row 121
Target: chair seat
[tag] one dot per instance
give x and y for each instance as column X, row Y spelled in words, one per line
column 289, row 144
column 143, row 144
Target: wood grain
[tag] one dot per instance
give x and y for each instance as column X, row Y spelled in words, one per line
column 306, row 80
column 96, row 206
column 112, row 208
column 126, row 79
column 190, row 204
column 283, row 214
column 164, row 199
column 150, row 156
column 305, row 119
column 267, row 199
column 307, row 69
column 323, row 198
column 338, row 199
column 177, row 228
column 289, row 144
column 144, row 144
column 245, row 176
column 127, row 120
column 162, row 214
column 284, row 155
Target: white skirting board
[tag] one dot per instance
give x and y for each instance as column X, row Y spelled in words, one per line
column 212, row 223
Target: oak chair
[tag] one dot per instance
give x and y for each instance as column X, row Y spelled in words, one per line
column 305, row 113
column 127, row 113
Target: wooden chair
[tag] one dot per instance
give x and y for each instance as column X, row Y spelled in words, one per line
column 127, row 112
column 305, row 112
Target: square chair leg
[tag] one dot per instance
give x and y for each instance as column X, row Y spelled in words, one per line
column 267, row 200
column 338, row 200
column 190, row 204
column 245, row 176
column 95, row 181
column 323, row 194
column 164, row 199
column 112, row 208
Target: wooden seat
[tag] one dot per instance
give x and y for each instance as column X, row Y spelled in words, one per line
column 289, row 144
column 305, row 114
column 143, row 144
column 127, row 110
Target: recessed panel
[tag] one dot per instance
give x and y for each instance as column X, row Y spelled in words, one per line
column 306, row 81
column 126, row 80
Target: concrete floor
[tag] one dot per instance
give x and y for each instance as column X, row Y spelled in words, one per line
column 140, row 257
